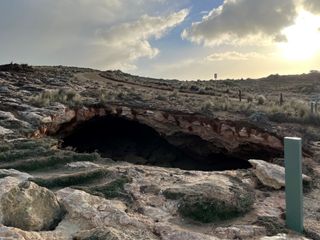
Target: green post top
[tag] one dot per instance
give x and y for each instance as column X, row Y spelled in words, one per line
column 293, row 178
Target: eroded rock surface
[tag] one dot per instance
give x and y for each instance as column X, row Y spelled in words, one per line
column 90, row 211
column 108, row 200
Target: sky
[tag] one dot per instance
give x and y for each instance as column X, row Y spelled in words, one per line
column 184, row 39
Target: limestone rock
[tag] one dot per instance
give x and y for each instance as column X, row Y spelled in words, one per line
column 284, row 237
column 109, row 233
column 88, row 211
column 5, row 131
column 6, row 184
column 167, row 232
column 15, row 173
column 30, row 207
column 221, row 198
column 98, row 234
column 8, row 233
column 271, row 175
column 84, row 164
column 240, row 232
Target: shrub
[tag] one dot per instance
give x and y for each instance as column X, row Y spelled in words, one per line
column 261, row 99
column 207, row 106
column 64, row 96
column 161, row 98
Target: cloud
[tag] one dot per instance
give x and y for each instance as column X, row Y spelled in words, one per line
column 131, row 39
column 93, row 33
column 243, row 21
column 236, row 56
column 312, row 6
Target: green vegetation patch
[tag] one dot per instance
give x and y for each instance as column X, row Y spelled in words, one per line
column 21, row 154
column 172, row 194
column 56, row 158
column 114, row 189
column 212, row 210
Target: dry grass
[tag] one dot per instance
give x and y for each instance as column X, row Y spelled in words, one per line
column 47, row 98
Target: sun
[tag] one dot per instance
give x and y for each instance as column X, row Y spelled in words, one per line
column 303, row 38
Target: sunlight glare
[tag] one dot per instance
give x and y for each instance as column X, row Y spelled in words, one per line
column 303, row 38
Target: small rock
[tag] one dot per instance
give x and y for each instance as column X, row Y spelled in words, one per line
column 98, row 234
column 240, row 232
column 5, row 131
column 109, row 233
column 284, row 237
column 14, row 173
column 271, row 175
column 155, row 213
column 47, row 119
column 84, row 164
column 170, row 232
column 259, row 117
column 7, row 116
column 4, row 89
column 30, row 207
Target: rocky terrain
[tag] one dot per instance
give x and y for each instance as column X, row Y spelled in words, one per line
column 86, row 154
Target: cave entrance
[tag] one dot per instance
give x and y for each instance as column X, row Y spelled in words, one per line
column 126, row 140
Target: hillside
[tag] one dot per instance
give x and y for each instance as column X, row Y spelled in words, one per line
column 127, row 157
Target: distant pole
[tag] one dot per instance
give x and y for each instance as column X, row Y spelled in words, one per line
column 312, row 107
column 293, row 176
column 240, row 96
column 316, row 107
column 215, row 76
column 281, row 99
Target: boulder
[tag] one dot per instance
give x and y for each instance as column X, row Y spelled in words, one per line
column 222, row 197
column 271, row 175
column 30, row 207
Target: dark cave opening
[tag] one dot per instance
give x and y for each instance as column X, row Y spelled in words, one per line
column 126, row 140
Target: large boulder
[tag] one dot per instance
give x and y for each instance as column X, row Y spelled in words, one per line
column 271, row 175
column 221, row 197
column 30, row 207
